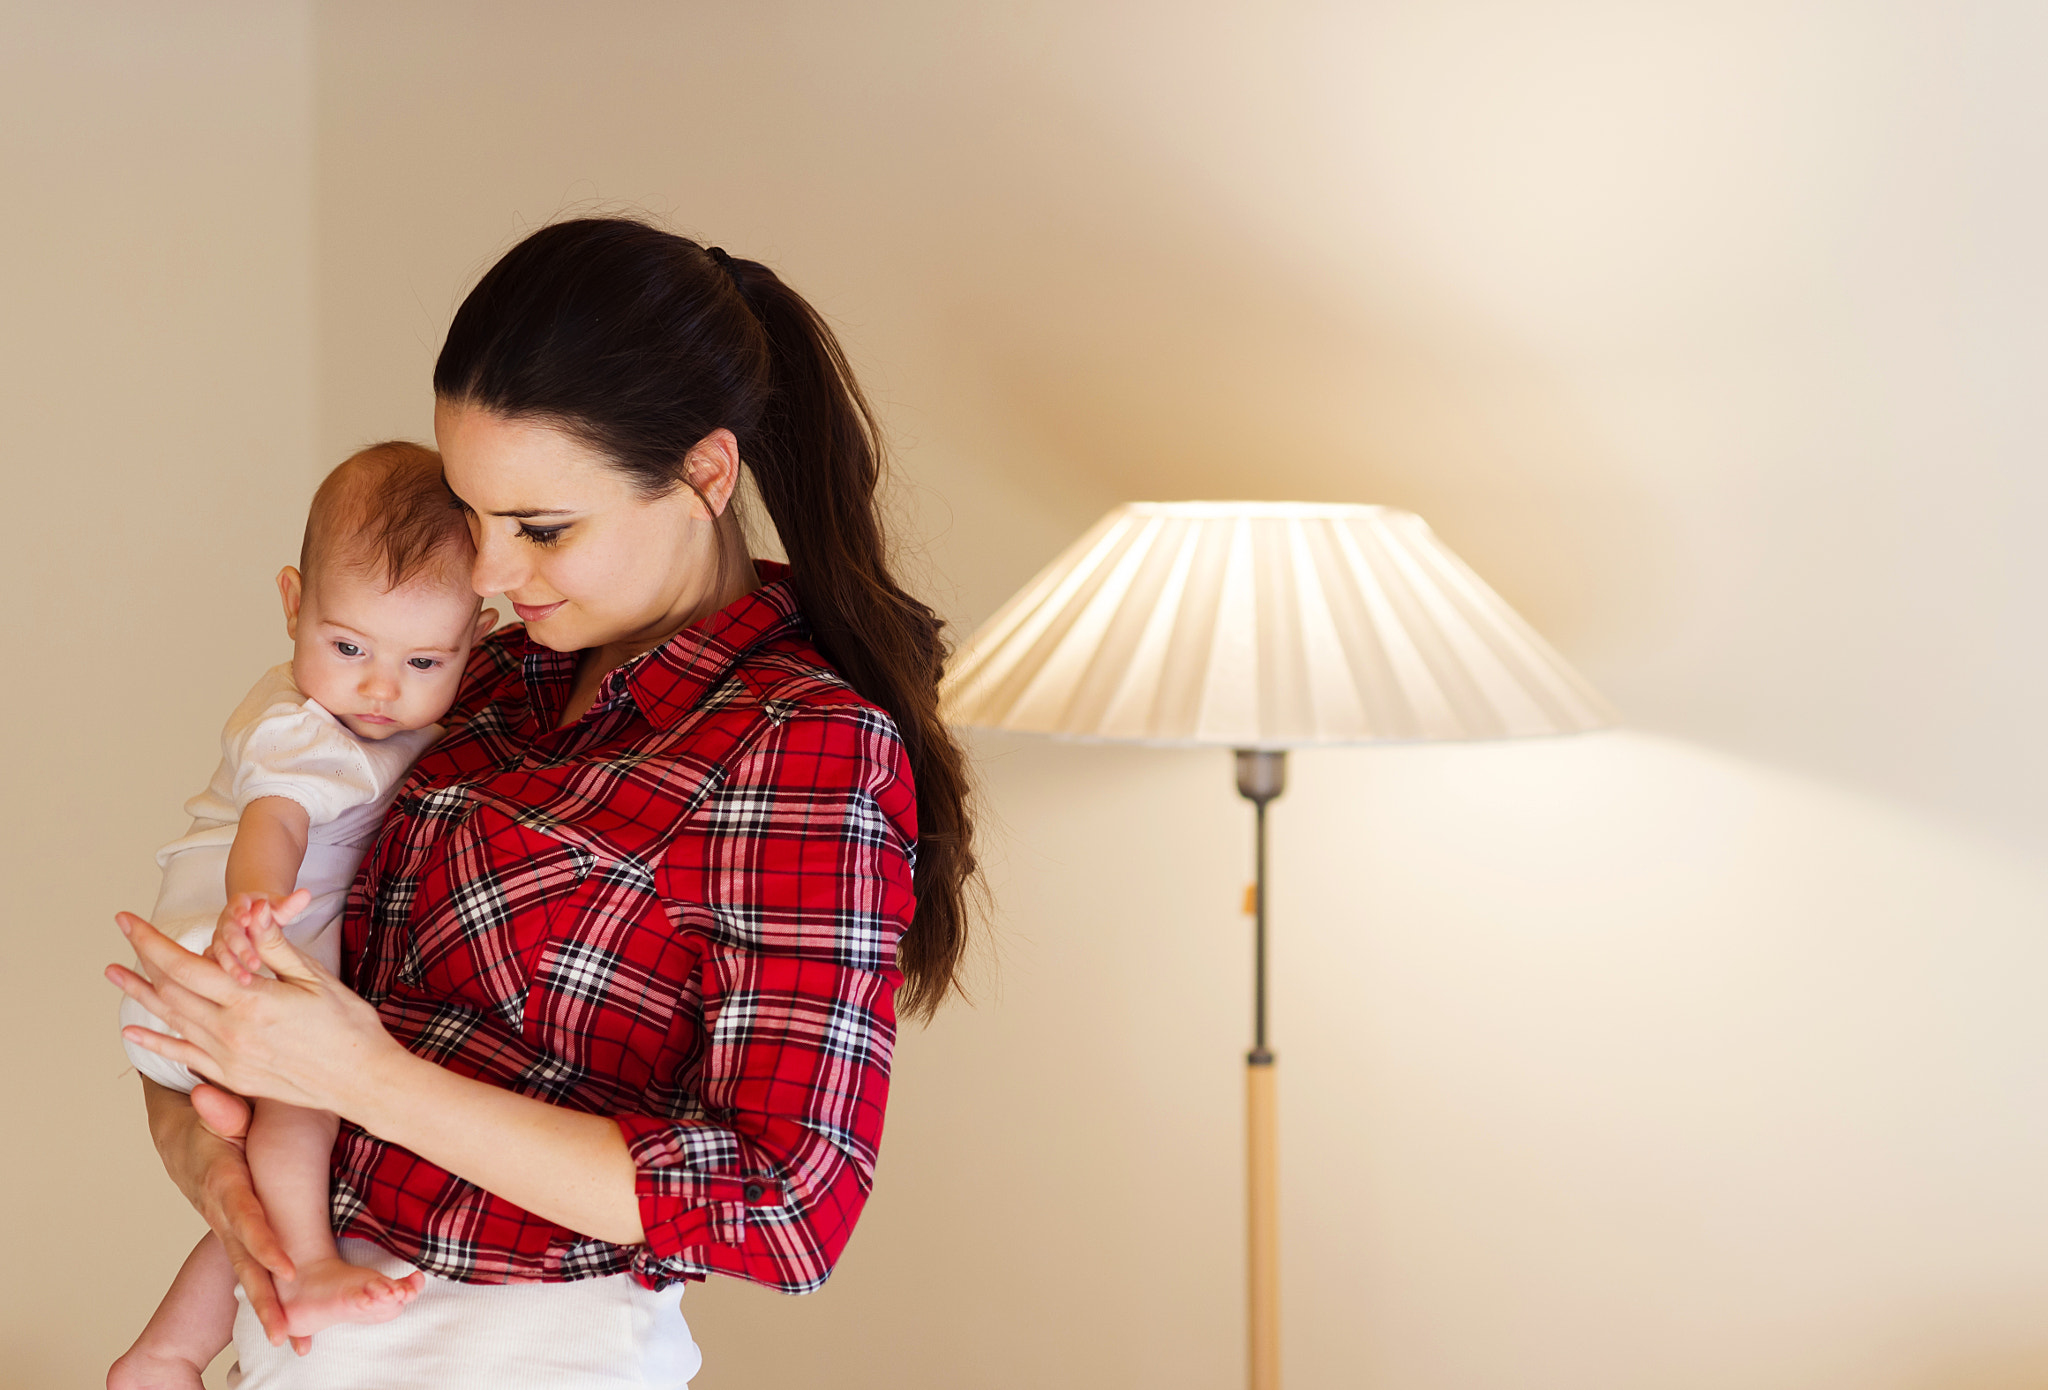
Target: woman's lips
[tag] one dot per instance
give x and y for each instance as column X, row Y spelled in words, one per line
column 533, row 615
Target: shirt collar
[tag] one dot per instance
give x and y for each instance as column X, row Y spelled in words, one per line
column 668, row 682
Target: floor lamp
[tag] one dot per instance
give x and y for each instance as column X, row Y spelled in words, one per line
column 1260, row 627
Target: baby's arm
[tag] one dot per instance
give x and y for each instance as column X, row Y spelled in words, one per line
column 263, row 871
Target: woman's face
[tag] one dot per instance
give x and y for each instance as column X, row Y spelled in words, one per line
column 585, row 558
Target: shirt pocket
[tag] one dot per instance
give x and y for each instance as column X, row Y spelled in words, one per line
column 608, row 978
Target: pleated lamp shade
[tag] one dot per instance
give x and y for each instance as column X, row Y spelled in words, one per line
column 1263, row 625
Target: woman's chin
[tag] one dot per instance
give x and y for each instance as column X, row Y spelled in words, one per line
column 556, row 631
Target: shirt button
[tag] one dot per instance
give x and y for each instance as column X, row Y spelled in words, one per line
column 755, row 1192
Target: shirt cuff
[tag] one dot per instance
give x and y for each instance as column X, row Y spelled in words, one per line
column 692, row 1186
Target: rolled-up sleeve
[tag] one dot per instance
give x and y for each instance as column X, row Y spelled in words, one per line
column 794, row 876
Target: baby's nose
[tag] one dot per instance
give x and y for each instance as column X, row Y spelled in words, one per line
column 380, row 685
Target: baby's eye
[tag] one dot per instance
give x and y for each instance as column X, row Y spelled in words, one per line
column 348, row 649
column 423, row 663
column 542, row 535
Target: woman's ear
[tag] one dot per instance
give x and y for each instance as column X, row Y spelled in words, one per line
column 291, row 589
column 712, row 468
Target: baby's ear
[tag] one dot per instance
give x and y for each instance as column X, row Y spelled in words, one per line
column 291, row 589
column 485, row 621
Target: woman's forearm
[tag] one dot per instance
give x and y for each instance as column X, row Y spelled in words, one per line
column 567, row 1166
column 171, row 1122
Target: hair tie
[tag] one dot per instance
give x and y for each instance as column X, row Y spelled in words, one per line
column 732, row 276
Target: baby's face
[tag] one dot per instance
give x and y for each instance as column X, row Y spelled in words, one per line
column 381, row 660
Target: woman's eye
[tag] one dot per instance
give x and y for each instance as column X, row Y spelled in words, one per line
column 542, row 535
column 348, row 649
column 423, row 663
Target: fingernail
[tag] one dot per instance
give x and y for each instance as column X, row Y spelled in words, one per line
column 122, row 923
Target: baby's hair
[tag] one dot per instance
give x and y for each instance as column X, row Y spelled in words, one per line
column 386, row 511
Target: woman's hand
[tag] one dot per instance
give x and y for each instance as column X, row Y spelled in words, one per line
column 304, row 1037
column 199, row 1137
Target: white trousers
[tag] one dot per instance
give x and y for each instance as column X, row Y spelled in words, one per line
column 599, row 1334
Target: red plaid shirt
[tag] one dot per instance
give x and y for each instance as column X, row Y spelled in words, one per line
column 681, row 912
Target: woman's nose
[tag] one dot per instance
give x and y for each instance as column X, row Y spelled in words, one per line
column 497, row 569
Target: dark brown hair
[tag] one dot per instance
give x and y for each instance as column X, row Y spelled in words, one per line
column 640, row 343
column 386, row 511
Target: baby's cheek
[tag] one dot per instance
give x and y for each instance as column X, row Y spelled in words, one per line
column 441, row 697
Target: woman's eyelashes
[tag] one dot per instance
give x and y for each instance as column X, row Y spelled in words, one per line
column 539, row 535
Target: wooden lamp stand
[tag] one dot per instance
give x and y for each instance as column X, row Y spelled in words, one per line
column 1261, row 776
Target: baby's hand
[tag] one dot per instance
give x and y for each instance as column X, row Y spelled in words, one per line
column 233, row 948
column 247, row 919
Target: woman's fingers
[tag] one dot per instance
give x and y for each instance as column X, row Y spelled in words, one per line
column 136, row 987
column 284, row 959
column 228, row 1202
column 165, row 960
column 258, row 1283
column 179, row 1008
column 166, row 998
column 249, row 1226
column 193, row 1059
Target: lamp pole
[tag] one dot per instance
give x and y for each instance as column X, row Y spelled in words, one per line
column 1261, row 776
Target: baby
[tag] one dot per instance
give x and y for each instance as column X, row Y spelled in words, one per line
column 382, row 618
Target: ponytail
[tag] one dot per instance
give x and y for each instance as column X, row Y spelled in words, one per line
column 817, row 476
column 642, row 342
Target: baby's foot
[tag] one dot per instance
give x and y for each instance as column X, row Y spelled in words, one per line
column 331, row 1291
column 144, row 1369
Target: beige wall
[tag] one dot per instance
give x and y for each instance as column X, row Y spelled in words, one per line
column 156, row 377
column 1703, row 1054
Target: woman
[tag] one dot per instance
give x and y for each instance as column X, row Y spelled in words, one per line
column 626, row 954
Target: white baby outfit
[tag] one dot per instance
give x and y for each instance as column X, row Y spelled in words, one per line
column 278, row 742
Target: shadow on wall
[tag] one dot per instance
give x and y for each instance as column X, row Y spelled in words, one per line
column 1664, row 1066
column 1154, row 351
column 2023, row 1367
